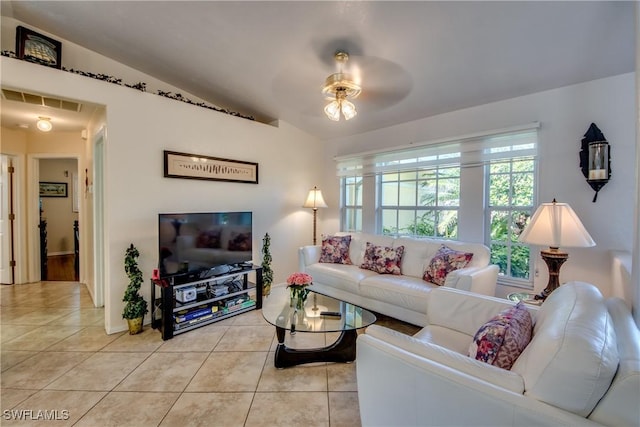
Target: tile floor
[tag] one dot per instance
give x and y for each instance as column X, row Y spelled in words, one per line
column 60, row 368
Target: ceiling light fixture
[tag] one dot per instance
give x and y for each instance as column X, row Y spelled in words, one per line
column 44, row 124
column 339, row 88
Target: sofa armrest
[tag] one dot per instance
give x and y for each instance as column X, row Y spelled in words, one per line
column 480, row 280
column 492, row 374
column 308, row 255
column 400, row 388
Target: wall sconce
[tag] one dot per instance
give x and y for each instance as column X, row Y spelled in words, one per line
column 595, row 161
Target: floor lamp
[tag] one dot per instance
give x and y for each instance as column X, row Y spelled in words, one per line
column 314, row 201
column 555, row 224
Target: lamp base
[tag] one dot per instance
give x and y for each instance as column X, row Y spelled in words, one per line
column 554, row 259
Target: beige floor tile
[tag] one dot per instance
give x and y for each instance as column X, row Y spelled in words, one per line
column 342, row 376
column 343, row 409
column 247, row 338
column 91, row 338
column 311, row 377
column 42, row 316
column 41, row 338
column 229, row 372
column 209, row 410
column 147, row 341
column 83, row 317
column 11, row 358
column 163, row 372
column 288, row 409
column 201, row 339
column 66, row 407
column 129, row 409
column 11, row 313
column 251, row 318
column 101, row 371
column 41, row 369
column 11, row 332
column 10, row 397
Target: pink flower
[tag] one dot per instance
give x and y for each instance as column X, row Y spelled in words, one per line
column 299, row 279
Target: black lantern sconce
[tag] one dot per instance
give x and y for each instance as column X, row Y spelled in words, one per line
column 595, row 160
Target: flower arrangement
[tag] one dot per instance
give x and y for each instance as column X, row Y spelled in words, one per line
column 297, row 284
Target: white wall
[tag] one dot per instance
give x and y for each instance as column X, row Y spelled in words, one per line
column 565, row 115
column 139, row 127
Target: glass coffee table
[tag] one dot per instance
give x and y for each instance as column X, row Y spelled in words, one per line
column 321, row 314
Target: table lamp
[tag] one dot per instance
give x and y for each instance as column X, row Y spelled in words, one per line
column 555, row 224
column 314, row 201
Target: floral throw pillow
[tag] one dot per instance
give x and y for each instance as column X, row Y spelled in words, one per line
column 335, row 250
column 502, row 339
column 444, row 262
column 382, row 259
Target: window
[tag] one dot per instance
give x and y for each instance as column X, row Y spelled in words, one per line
column 420, row 203
column 510, row 202
column 351, row 203
column 477, row 188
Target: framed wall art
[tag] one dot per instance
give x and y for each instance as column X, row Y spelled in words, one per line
column 35, row 47
column 53, row 189
column 195, row 166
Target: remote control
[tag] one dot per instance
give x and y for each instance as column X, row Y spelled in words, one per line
column 331, row 313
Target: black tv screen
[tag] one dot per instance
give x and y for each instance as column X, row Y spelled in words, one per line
column 198, row 242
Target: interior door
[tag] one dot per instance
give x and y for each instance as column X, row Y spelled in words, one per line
column 6, row 274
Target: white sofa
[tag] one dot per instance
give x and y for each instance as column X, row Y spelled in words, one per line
column 582, row 366
column 402, row 296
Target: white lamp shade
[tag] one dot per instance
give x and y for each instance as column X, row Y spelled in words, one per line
column 314, row 199
column 348, row 110
column 555, row 225
column 332, row 110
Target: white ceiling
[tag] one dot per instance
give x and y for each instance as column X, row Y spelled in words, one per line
column 415, row 59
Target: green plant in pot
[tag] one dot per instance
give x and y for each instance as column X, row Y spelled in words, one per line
column 267, row 272
column 135, row 307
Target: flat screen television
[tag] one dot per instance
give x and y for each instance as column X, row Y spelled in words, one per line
column 203, row 243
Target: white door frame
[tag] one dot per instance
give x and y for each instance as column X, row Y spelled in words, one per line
column 33, row 210
column 99, row 241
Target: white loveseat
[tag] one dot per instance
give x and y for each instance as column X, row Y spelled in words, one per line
column 582, row 366
column 402, row 296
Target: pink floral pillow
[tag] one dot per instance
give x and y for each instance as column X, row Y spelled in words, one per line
column 443, row 262
column 335, row 250
column 382, row 259
column 502, row 339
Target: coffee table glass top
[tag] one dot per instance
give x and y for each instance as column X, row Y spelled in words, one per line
column 276, row 310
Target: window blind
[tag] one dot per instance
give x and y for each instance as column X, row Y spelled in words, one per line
column 466, row 151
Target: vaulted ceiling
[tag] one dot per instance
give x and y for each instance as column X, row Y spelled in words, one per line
column 414, row 59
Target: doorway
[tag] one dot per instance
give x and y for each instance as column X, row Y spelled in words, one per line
column 58, row 220
column 7, row 221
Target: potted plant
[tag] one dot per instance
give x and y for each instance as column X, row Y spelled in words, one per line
column 135, row 307
column 267, row 272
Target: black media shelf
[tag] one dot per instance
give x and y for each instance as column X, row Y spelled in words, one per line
column 173, row 317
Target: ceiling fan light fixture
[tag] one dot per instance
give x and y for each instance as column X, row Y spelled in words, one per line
column 332, row 110
column 339, row 88
column 44, row 124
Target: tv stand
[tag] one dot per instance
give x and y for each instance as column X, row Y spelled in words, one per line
column 216, row 298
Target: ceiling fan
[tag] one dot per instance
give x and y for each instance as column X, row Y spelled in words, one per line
column 339, row 88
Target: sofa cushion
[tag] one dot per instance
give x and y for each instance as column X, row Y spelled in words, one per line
column 500, row 341
column 359, row 244
column 445, row 261
column 403, row 291
column 335, row 250
column 339, row 276
column 382, row 259
column 572, row 356
column 417, row 253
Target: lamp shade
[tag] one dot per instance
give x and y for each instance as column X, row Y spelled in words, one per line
column 314, row 199
column 556, row 224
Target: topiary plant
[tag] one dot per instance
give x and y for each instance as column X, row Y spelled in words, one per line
column 267, row 273
column 136, row 306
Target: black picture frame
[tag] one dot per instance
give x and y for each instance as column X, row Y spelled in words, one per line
column 38, row 48
column 196, row 166
column 53, row 189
